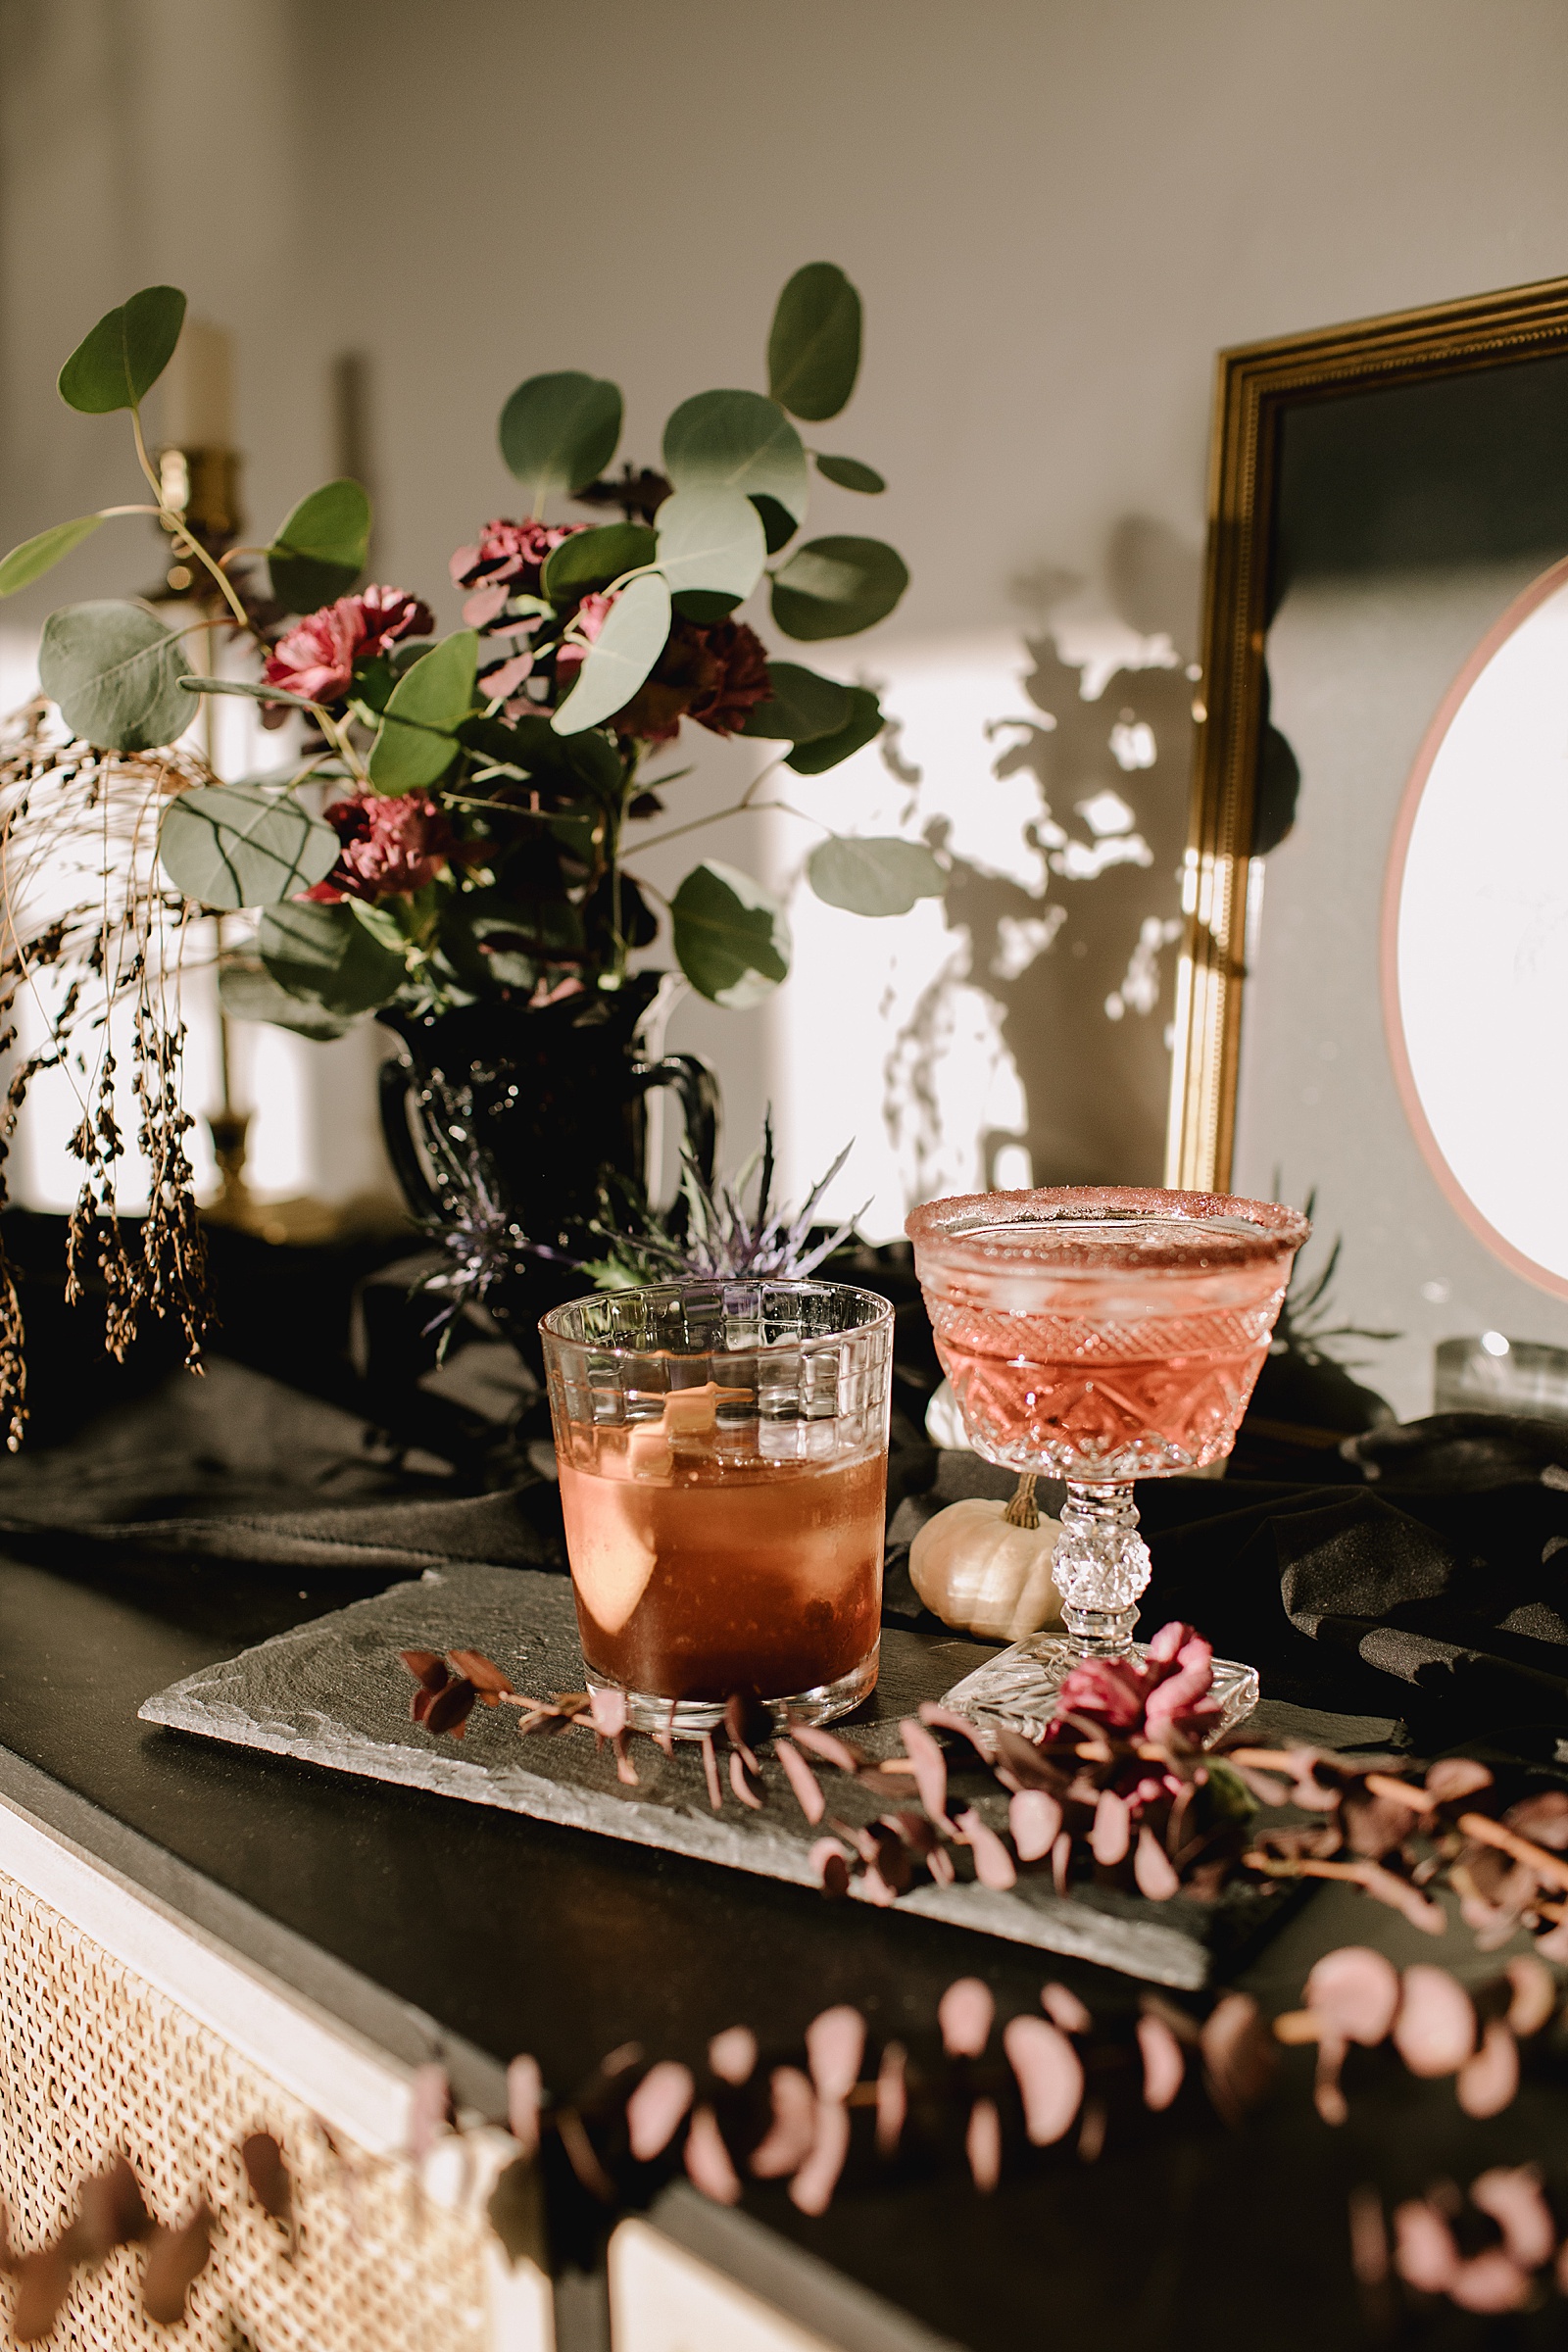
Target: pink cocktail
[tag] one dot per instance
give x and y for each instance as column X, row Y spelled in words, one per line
column 1099, row 1334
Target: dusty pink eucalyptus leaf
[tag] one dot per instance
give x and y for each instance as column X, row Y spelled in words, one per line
column 812, row 2186
column 732, row 2054
column 1488, row 2080
column 1489, row 2282
column 1354, row 1993
column 964, row 2014
column 835, row 2044
column 1424, row 2252
column 1511, row 2195
column 1238, row 2057
column 982, row 2144
column 1164, row 2063
column 1534, row 1994
column 1049, row 2076
column 1387, row 1886
column 892, row 2099
column 524, row 2096
column 930, row 1767
column 1327, row 2096
column 801, row 1779
column 1153, row 1869
column 1061, row 1862
column 1034, row 1816
column 874, row 1889
column 740, row 1784
column 656, row 2107
column 790, row 2135
column 943, row 1719
column 831, row 1862
column 1369, row 2236
column 625, row 1770
column 111, row 2211
column 429, row 2110
column 1435, row 2031
column 1065, row 2009
column 829, row 1746
column 1553, row 1945
column 715, row 1794
column 708, row 2160
column 1453, row 1776
column 993, row 1864
column 607, row 1709
column 1111, row 1834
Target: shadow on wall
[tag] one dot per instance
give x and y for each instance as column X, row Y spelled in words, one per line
column 1075, row 973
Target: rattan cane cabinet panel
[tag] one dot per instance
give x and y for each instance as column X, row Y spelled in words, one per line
column 94, row 2062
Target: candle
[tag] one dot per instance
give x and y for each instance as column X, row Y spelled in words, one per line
column 198, row 388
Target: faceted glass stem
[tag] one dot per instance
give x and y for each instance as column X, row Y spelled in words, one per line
column 1100, row 1567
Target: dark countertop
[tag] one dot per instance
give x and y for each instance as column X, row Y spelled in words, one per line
column 446, row 1929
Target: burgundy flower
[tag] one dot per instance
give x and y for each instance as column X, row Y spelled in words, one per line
column 716, row 674
column 391, row 846
column 316, row 658
column 1167, row 1691
column 508, row 561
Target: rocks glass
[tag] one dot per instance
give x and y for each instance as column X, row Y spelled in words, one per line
column 1099, row 1334
column 722, row 1448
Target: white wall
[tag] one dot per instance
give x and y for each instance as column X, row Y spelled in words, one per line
column 1056, row 213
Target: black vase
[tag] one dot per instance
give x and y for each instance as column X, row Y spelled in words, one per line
column 520, row 1111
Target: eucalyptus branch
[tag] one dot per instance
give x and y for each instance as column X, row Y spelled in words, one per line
column 172, row 523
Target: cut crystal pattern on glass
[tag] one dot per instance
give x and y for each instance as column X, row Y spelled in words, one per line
column 1100, row 1335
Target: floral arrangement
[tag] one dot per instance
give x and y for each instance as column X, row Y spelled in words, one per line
column 459, row 821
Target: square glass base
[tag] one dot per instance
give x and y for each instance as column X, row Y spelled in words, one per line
column 1018, row 1688
column 690, row 1718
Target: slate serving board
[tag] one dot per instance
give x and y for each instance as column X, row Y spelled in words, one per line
column 333, row 1692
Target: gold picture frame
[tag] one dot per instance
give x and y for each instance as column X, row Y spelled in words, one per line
column 1256, row 386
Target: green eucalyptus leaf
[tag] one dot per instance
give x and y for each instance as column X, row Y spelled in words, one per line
column 418, row 740
column 559, row 432
column 635, row 632
column 850, row 475
column 117, row 675
column 327, row 955
column 229, row 846
column 247, row 992
column 731, row 937
column 836, row 587
column 737, row 441
column 875, row 876
column 126, row 352
column 34, row 557
column 863, row 725
column 813, row 352
column 710, row 550
column 319, row 551
column 592, row 559
column 802, row 708
column 779, row 525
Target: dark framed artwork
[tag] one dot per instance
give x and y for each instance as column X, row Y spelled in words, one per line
column 1373, row 994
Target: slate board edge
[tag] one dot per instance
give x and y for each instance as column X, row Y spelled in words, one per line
column 198, row 1706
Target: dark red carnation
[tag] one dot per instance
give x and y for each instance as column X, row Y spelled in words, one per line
column 316, row 658
column 391, row 846
column 509, row 560
column 1165, row 1689
column 715, row 673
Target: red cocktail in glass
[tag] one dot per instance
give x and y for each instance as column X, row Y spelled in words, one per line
column 1099, row 1334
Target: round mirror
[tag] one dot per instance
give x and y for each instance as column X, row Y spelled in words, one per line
column 1475, row 939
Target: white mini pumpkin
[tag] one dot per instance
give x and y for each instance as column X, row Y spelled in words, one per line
column 975, row 1568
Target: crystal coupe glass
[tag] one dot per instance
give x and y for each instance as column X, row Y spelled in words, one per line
column 1100, row 1335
